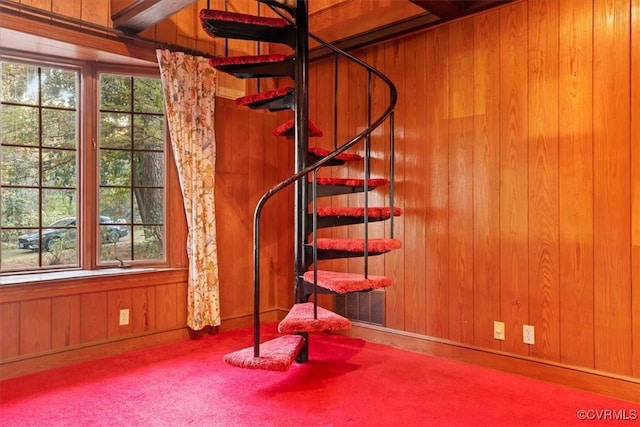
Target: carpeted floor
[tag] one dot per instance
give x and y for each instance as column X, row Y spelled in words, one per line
column 348, row 382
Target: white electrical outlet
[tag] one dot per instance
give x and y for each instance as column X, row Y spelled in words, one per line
column 498, row 330
column 124, row 316
column 528, row 334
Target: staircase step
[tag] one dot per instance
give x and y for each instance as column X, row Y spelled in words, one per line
column 317, row 153
column 343, row 283
column 275, row 355
column 218, row 23
column 287, row 129
column 273, row 100
column 300, row 319
column 254, row 66
column 330, row 216
column 335, row 186
column 350, row 248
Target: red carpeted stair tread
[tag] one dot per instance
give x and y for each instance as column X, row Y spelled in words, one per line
column 287, row 129
column 221, row 15
column 374, row 212
column 300, row 319
column 357, row 245
column 351, row 182
column 343, row 283
column 264, row 96
column 246, row 59
column 345, row 157
column 275, row 355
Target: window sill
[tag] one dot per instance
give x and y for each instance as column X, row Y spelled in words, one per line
column 22, row 279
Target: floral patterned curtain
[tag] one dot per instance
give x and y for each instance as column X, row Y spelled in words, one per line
column 189, row 91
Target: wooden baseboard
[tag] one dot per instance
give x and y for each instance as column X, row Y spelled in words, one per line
column 608, row 384
column 19, row 366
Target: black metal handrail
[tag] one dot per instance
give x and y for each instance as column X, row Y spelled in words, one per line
column 304, row 172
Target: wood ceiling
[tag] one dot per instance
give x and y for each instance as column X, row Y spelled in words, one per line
column 136, row 16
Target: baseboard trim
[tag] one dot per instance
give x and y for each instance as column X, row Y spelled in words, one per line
column 19, row 366
column 608, row 384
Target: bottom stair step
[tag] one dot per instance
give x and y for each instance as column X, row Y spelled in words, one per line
column 300, row 319
column 275, row 355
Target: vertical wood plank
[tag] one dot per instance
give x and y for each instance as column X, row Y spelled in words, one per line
column 96, row 12
column 10, row 331
column 65, row 321
column 35, row 326
column 414, row 185
column 486, row 178
column 166, row 297
column 395, row 261
column 544, row 303
column 611, row 160
column 635, row 183
column 72, row 9
column 461, row 120
column 575, row 174
column 514, row 262
column 116, row 301
column 143, row 314
column 40, row 4
column 93, row 315
column 187, row 23
column 437, row 179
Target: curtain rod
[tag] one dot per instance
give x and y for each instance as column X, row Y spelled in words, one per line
column 47, row 17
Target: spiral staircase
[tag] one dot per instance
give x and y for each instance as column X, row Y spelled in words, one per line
column 289, row 26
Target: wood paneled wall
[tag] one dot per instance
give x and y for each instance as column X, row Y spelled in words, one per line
column 518, row 170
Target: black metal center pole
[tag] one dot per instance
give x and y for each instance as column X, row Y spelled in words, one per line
column 301, row 148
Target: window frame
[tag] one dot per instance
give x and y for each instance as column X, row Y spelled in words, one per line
column 88, row 227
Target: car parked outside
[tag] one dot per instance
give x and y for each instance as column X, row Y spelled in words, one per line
column 63, row 231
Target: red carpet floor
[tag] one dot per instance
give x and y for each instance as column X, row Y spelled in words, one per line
column 348, row 382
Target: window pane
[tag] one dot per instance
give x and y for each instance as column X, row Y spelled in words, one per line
column 58, row 88
column 20, row 125
column 149, row 206
column 15, row 253
column 115, row 203
column 59, row 208
column 59, row 128
column 115, row 243
column 115, row 130
column 20, row 207
column 115, row 167
column 115, row 93
column 148, row 132
column 19, row 166
column 147, row 95
column 59, row 168
column 148, row 169
column 19, row 83
column 148, row 242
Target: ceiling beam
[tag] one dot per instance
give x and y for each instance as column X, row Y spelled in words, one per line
column 142, row 14
column 451, row 9
column 443, row 9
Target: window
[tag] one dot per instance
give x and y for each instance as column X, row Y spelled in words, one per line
column 132, row 166
column 56, row 211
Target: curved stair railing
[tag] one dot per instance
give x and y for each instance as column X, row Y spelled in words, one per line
column 280, row 352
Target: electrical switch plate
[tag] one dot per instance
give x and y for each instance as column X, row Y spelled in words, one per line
column 124, row 316
column 498, row 330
